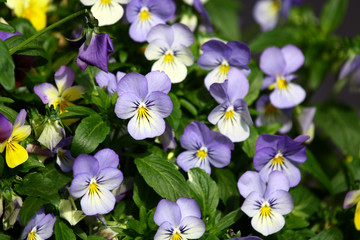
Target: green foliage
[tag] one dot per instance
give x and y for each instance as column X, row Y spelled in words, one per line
column 7, row 68
column 30, row 206
column 329, row 234
column 332, row 14
column 175, row 116
column 63, row 232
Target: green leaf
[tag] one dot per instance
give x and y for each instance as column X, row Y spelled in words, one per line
column 255, row 81
column 77, row 112
column 332, row 14
column 312, row 166
column 227, row 221
column 30, row 206
column 189, row 106
column 96, row 237
column 342, row 126
column 7, row 68
column 89, row 134
column 228, row 192
column 8, row 113
column 249, row 144
column 293, row 222
column 143, row 195
column 32, row 162
column 305, row 203
column 137, row 226
column 6, row 100
column 62, row 231
column 56, row 176
column 2, row 235
column 6, row 28
column 163, row 177
column 175, row 116
column 329, row 234
column 204, row 190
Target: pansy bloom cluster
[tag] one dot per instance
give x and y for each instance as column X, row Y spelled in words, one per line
column 166, row 120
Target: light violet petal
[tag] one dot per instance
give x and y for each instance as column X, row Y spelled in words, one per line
column 219, row 91
column 46, row 92
column 156, row 49
column 107, row 80
column 183, row 54
column 80, row 185
column 214, row 52
column 20, row 119
column 193, row 227
column 219, row 155
column 238, row 84
column 85, row 163
column 215, row 76
column 158, row 81
column 167, row 211
column 64, row 78
column 164, row 231
column 188, row 207
column 182, row 35
column 188, row 159
column 240, row 56
column 263, row 156
column 65, row 160
column 109, row 178
column 272, row 61
column 267, row 81
column 139, row 29
column 306, row 118
column 194, row 136
column 351, row 198
column 234, row 128
column 107, row 158
column 281, row 201
column 250, row 182
column 127, row 105
column 159, row 103
column 6, row 128
column 217, row 113
column 294, row 58
column 292, row 96
column 265, row 15
column 161, row 32
column 45, row 226
column 251, row 204
column 133, row 83
column 277, row 181
column 101, row 202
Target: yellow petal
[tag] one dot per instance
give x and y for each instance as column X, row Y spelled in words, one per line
column 41, row 4
column 15, row 154
column 37, row 16
column 2, row 146
column 20, row 133
column 357, row 216
column 73, row 93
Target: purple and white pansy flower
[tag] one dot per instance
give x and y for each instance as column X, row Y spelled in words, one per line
column 204, row 147
column 353, row 198
column 280, row 153
column 94, row 178
column 107, row 12
column 269, row 114
column 145, row 14
column 109, row 80
column 40, row 226
column 279, row 64
column 169, row 45
column 145, row 100
column 220, row 57
column 232, row 115
column 266, row 204
column 178, row 220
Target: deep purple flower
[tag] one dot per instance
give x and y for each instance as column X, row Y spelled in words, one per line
column 6, row 35
column 145, row 14
column 144, row 99
column 94, row 178
column 6, row 128
column 269, row 114
column 351, row 70
column 220, row 58
column 96, row 53
column 279, row 64
column 204, row 147
column 280, row 153
column 232, row 115
column 266, row 204
column 180, row 220
column 169, row 46
column 40, row 226
column 109, row 80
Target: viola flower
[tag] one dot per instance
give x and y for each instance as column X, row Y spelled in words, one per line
column 64, row 95
column 144, row 100
column 11, row 135
column 269, row 114
column 266, row 205
column 94, row 178
column 352, row 198
column 267, row 12
column 279, row 64
column 33, row 10
column 204, row 147
column 107, row 12
column 40, row 226
column 232, row 115
column 351, row 71
column 63, row 156
column 96, row 53
column 169, row 46
column 305, row 120
column 180, row 220
column 220, row 58
column 280, row 153
column 109, row 80
column 145, row 14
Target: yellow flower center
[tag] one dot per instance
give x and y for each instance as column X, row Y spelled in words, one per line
column 144, row 14
column 93, row 187
column 169, row 58
column 276, row 5
column 103, row 2
column 282, row 83
column 143, row 112
column 265, row 211
column 229, row 114
column 224, row 68
column 201, row 153
column 277, row 161
column 176, row 236
column 31, row 236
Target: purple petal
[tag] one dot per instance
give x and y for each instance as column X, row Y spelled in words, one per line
column 289, row 97
column 193, row 227
column 272, row 61
column 109, row 178
column 167, row 139
column 140, row 29
column 349, row 66
column 65, row 142
column 31, row 224
column 45, row 226
column 107, row 158
column 119, row 76
column 165, row 9
column 251, row 204
column 291, row 171
column 263, row 156
column 85, row 163
column 65, row 160
column 277, row 181
column 133, row 83
column 182, row 35
column 282, row 201
column 127, row 105
column 102, row 203
column 301, row 138
column 97, row 52
column 294, row 58
column 218, row 91
column 194, row 136
column 159, row 103
column 187, row 160
column 240, row 56
column 219, row 154
column 158, row 81
column 64, row 78
column 306, row 118
column 188, row 207
column 46, row 92
column 295, row 154
column 204, row 15
column 6, row 35
column 161, row 32
column 107, row 80
column 351, row 198
column 164, row 231
column 267, row 140
column 214, row 52
column 20, row 118
column 80, row 185
column 167, row 211
column 267, row 81
column 238, row 85
column 6, row 128
column 250, row 182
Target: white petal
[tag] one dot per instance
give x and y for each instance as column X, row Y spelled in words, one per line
column 146, row 127
column 101, row 202
column 176, row 70
column 156, row 49
column 267, row 225
column 234, row 128
column 184, row 55
column 107, row 14
column 215, row 76
column 88, row 2
column 266, row 15
column 193, row 227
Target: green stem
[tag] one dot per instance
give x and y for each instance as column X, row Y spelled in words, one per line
column 52, row 26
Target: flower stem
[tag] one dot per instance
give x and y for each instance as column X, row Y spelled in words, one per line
column 52, row 26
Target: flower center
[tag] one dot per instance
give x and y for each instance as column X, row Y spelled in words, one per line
column 103, row 2
column 202, row 153
column 144, row 14
column 93, row 187
column 281, row 82
column 265, row 210
column 169, row 58
column 143, row 111
column 31, row 236
column 229, row 114
column 276, row 5
column 176, row 236
column 224, row 68
column 278, row 161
